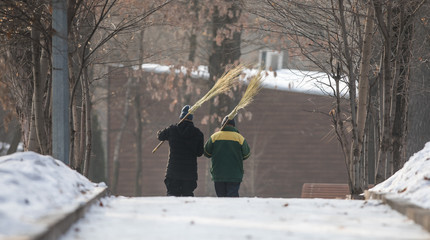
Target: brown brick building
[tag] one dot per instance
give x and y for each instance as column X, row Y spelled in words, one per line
column 289, row 135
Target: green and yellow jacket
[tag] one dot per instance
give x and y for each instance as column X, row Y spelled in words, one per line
column 227, row 150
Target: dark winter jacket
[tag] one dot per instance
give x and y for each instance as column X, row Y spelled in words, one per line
column 227, row 149
column 186, row 144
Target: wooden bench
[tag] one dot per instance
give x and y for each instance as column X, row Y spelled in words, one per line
column 325, row 190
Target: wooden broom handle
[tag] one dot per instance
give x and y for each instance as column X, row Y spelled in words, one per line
column 161, row 142
column 155, row 149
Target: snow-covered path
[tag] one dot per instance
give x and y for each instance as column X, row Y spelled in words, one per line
column 36, row 187
column 242, row 218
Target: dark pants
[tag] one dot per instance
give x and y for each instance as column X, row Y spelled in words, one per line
column 180, row 188
column 227, row 189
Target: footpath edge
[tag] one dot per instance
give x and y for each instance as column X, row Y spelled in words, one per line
column 58, row 225
column 418, row 214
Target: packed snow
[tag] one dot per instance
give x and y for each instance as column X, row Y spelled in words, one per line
column 412, row 182
column 35, row 186
column 242, row 218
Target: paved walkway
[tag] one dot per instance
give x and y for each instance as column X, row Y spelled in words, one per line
column 242, row 218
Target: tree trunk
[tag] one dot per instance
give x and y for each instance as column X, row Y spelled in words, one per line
column 193, row 47
column 139, row 121
column 225, row 51
column 15, row 140
column 82, row 129
column 354, row 156
column 45, row 67
column 193, row 38
column 405, row 31
column 363, row 90
column 74, row 119
column 33, row 144
column 39, row 119
column 76, row 130
column 339, row 127
column 419, row 112
column 97, row 172
column 372, row 130
column 139, row 155
column 126, row 115
column 363, row 85
column 88, row 129
column 386, row 90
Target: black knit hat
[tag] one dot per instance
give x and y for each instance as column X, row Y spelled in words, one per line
column 230, row 122
column 184, row 112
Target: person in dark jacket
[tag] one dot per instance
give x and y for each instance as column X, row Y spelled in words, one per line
column 227, row 150
column 186, row 144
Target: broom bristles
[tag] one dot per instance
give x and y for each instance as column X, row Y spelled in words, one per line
column 254, row 86
column 224, row 83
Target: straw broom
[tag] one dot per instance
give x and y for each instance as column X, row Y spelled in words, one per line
column 254, row 86
column 223, row 84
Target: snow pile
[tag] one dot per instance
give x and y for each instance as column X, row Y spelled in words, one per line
column 412, row 182
column 34, row 186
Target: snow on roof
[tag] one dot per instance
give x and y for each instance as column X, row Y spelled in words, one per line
column 199, row 72
column 310, row 82
column 412, row 182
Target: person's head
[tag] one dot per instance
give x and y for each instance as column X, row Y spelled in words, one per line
column 184, row 112
column 229, row 122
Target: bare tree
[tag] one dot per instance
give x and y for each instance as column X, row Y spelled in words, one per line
column 25, row 41
column 328, row 34
column 395, row 22
column 335, row 29
column 418, row 132
column 26, row 36
column 363, row 89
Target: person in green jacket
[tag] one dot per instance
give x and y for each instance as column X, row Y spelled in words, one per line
column 227, row 150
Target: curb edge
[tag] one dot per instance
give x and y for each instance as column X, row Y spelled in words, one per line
column 59, row 226
column 418, row 214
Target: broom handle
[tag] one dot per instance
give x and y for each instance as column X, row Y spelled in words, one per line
column 222, row 127
column 161, row 142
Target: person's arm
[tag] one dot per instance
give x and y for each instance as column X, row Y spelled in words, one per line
column 246, row 151
column 200, row 145
column 163, row 135
column 208, row 148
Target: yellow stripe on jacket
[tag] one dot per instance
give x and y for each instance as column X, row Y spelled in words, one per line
column 228, row 136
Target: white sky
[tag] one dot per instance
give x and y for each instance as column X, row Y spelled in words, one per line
column 34, row 187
